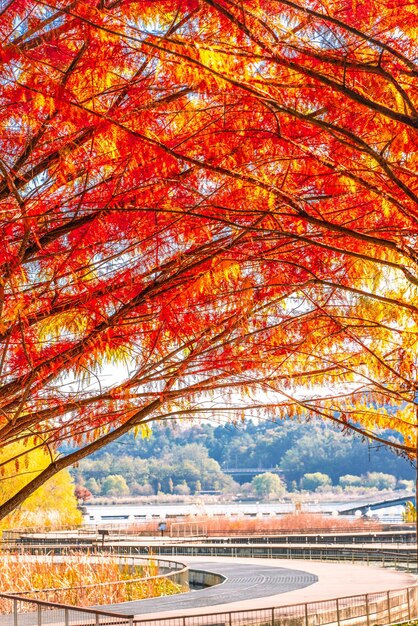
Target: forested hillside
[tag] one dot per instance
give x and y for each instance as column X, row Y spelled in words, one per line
column 183, row 459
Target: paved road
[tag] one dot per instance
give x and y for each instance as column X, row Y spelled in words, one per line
column 243, row 582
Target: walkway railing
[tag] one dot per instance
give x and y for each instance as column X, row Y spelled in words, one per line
column 399, row 555
column 17, row 611
column 147, row 528
column 368, row 609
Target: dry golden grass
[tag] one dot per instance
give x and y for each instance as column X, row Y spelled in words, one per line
column 80, row 580
column 291, row 522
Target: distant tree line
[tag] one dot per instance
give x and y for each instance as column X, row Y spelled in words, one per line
column 181, row 459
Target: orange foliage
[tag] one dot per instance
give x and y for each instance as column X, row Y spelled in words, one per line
column 218, row 199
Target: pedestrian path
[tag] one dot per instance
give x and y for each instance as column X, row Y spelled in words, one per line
column 260, row 583
column 247, row 581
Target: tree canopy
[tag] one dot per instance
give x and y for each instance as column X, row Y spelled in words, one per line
column 53, row 504
column 217, row 197
column 203, row 452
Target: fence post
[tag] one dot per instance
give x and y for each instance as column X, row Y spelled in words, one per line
column 409, row 604
column 367, row 609
column 306, row 615
column 15, row 612
column 338, row 611
column 272, row 616
column 66, row 620
column 388, row 599
column 39, row 615
column 230, row 618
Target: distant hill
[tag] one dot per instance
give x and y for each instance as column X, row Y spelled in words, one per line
column 185, row 458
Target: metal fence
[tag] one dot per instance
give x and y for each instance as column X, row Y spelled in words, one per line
column 362, row 610
column 17, row 611
column 399, row 555
column 149, row 528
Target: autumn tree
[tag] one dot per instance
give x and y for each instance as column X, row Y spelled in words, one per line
column 82, row 493
column 219, row 199
column 53, row 504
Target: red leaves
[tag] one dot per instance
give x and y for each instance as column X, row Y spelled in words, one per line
column 204, row 196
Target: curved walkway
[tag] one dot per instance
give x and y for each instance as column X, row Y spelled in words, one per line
column 247, row 581
column 261, row 583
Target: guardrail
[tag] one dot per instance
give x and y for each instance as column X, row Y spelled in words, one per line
column 149, row 528
column 19, row 540
column 17, row 611
column 402, row 556
column 368, row 609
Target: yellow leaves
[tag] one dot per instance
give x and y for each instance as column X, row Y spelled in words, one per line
column 53, row 502
column 387, row 208
column 113, row 354
column 397, row 97
column 38, row 101
column 144, row 430
column 412, row 29
column 109, row 142
column 105, row 36
column 217, row 61
column 349, row 183
column 294, row 411
column 46, row 103
column 219, row 276
column 300, row 227
column 72, row 323
column 227, row 270
column 209, row 58
column 102, row 354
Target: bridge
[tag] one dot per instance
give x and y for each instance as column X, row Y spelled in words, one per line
column 381, row 504
column 251, row 471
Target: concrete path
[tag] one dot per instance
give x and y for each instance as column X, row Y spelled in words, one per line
column 243, row 581
column 262, row 583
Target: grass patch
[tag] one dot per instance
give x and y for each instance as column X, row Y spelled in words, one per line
column 80, row 580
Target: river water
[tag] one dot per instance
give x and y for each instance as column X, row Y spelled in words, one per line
column 129, row 513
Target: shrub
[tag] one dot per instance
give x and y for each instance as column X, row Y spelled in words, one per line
column 379, row 480
column 349, row 480
column 312, row 481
